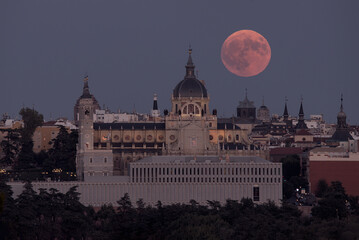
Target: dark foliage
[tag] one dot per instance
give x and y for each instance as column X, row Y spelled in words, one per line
column 292, row 179
column 322, row 188
column 10, row 147
column 291, row 166
column 63, row 152
column 30, row 166
column 334, row 203
column 49, row 214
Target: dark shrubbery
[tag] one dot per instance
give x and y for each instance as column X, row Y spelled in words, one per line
column 51, row 214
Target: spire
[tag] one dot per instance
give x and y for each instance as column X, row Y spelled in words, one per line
column 301, row 124
column 190, row 66
column 342, row 117
column 155, row 111
column 285, row 114
column 262, row 100
column 301, row 112
column 86, row 90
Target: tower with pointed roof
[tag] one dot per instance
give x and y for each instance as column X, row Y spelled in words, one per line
column 286, row 120
column 341, row 133
column 301, row 124
column 246, row 111
column 90, row 100
column 89, row 162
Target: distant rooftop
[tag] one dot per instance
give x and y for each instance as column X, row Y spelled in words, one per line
column 201, row 159
column 327, row 149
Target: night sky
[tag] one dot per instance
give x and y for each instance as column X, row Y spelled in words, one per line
column 132, row 49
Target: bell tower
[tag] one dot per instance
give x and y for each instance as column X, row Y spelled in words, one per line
column 89, row 161
column 86, row 109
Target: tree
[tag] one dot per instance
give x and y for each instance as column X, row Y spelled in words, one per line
column 63, row 152
column 191, row 226
column 333, row 204
column 291, row 166
column 8, row 213
column 322, row 188
column 27, row 221
column 74, row 222
column 124, row 203
column 298, row 182
column 32, row 119
column 11, row 147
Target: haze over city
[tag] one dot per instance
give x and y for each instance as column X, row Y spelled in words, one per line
column 133, row 49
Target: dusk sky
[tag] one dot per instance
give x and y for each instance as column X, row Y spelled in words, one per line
column 133, row 49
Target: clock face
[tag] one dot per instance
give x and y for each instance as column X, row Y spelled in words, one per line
column 172, row 137
column 138, row 137
column 149, row 138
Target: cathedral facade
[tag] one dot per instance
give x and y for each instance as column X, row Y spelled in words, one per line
column 106, row 149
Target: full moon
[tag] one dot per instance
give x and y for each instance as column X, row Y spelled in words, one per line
column 245, row 53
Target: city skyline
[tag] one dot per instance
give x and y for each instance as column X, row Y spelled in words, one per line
column 132, row 50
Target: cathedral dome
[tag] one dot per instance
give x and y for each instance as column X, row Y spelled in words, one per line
column 190, row 87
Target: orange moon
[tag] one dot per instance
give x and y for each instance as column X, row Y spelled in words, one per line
column 245, row 53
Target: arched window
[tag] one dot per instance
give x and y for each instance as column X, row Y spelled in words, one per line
column 191, row 109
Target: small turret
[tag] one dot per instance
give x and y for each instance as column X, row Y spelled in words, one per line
column 285, row 113
column 342, row 133
column 155, row 111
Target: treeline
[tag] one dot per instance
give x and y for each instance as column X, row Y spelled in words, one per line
column 17, row 147
column 53, row 215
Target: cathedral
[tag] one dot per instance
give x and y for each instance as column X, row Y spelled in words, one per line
column 189, row 128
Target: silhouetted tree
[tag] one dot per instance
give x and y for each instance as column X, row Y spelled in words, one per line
column 63, row 152
column 333, row 204
column 291, row 166
column 32, row 119
column 322, row 188
column 10, row 147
